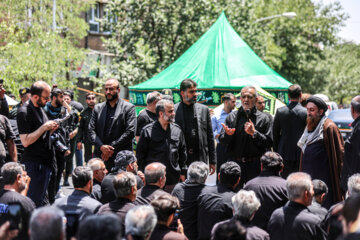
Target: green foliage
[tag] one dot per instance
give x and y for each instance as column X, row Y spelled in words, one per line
column 150, row 34
column 32, row 50
column 343, row 66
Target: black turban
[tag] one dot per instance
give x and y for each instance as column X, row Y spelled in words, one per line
column 318, row 102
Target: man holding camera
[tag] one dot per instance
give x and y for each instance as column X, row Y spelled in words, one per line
column 15, row 182
column 35, row 130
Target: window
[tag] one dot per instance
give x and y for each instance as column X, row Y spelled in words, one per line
column 93, row 15
column 107, row 29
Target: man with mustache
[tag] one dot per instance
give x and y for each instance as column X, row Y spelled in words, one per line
column 112, row 125
column 195, row 122
column 163, row 141
column 247, row 133
column 83, row 129
column 322, row 149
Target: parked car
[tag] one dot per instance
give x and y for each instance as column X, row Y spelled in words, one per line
column 342, row 118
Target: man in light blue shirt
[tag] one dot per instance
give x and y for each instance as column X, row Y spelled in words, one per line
column 229, row 104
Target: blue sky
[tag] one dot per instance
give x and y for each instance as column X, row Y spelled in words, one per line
column 351, row 32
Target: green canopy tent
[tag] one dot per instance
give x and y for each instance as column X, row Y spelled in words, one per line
column 219, row 62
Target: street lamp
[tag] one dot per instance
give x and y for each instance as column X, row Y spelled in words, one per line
column 286, row 14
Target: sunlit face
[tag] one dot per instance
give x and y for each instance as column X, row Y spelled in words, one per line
column 313, row 111
column 169, row 114
column 91, row 101
column 248, row 98
column 231, row 103
column 111, row 90
column 101, row 173
column 43, row 98
column 260, row 104
column 67, row 99
column 189, row 95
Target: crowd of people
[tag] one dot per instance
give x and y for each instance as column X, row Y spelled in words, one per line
column 288, row 176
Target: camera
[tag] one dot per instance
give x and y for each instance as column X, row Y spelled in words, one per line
column 57, row 143
column 11, row 212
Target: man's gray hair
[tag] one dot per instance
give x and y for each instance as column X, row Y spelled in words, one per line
column 250, row 87
column 152, row 97
column 160, row 106
column 297, row 183
column 81, row 176
column 198, row 172
column 95, row 164
column 355, row 104
column 245, row 204
column 354, row 184
column 140, row 221
column 47, row 223
column 154, row 171
column 123, row 182
column 10, row 171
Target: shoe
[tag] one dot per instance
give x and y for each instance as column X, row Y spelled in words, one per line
column 66, row 184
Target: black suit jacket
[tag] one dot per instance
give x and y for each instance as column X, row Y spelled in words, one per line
column 206, row 137
column 122, row 128
column 289, row 125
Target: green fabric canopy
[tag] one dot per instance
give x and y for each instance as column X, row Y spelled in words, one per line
column 219, row 60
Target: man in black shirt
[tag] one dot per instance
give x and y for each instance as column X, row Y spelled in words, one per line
column 112, row 125
column 195, row 122
column 15, row 180
column 99, row 172
column 187, row 192
column 247, row 132
column 320, row 192
column 4, row 107
column 269, row 188
column 125, row 161
column 214, row 204
column 163, row 141
column 83, row 129
column 155, row 177
column 148, row 115
column 35, row 130
column 294, row 220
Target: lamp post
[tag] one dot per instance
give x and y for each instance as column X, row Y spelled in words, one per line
column 286, row 14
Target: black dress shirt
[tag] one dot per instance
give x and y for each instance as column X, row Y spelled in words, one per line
column 294, row 221
column 187, row 193
column 165, row 146
column 271, row 191
column 145, row 117
column 191, row 132
column 214, row 205
column 243, row 145
column 110, row 112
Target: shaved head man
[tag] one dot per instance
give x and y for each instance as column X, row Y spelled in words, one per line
column 35, row 130
column 112, row 125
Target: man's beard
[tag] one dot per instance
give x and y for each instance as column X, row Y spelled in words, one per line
column 39, row 103
column 190, row 100
column 113, row 96
column 58, row 103
column 169, row 119
column 312, row 122
column 91, row 105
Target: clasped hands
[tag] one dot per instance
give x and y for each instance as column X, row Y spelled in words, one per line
column 249, row 128
column 106, row 152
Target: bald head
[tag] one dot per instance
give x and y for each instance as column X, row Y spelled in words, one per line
column 355, row 107
column 112, row 90
column 38, row 87
column 113, row 82
column 155, row 173
column 40, row 93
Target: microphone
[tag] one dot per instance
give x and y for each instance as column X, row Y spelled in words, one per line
column 247, row 112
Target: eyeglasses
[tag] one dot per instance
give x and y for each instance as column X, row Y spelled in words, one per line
column 109, row 89
column 46, row 98
column 90, row 98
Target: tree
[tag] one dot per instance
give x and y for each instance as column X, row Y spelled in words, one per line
column 32, row 49
column 343, row 78
column 150, row 34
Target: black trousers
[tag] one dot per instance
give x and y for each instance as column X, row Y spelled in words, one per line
column 290, row 167
column 88, row 154
column 70, row 157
